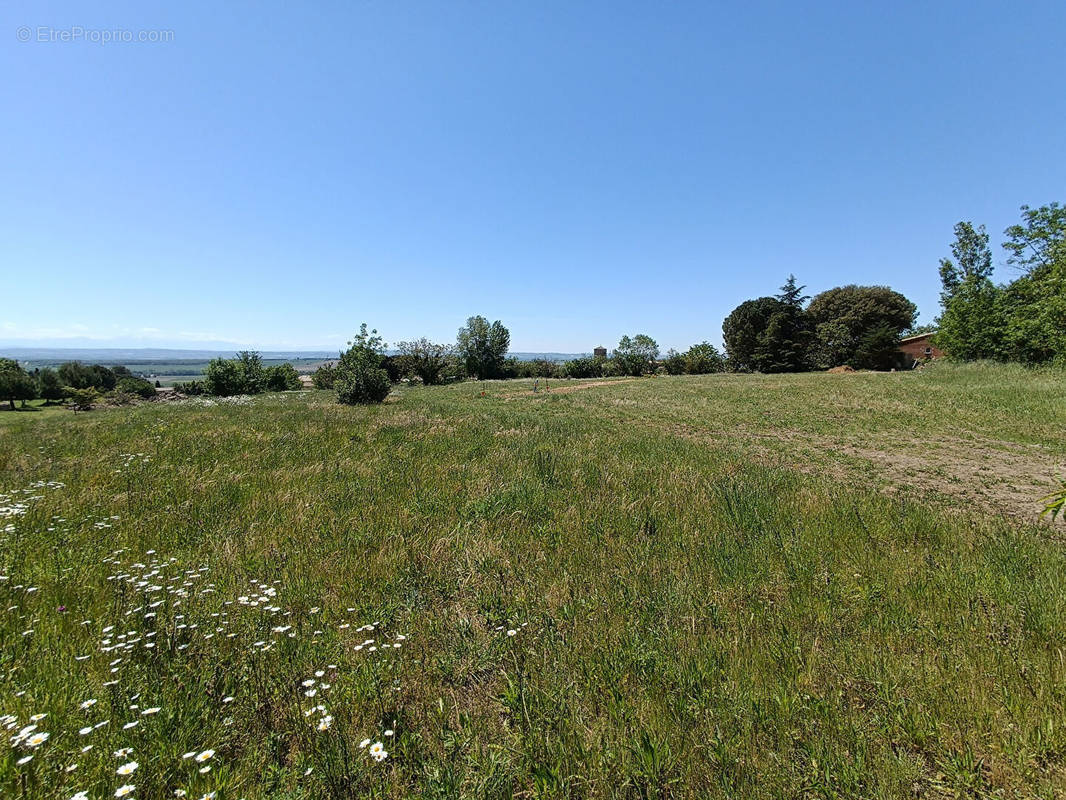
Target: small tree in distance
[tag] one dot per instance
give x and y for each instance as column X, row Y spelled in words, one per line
column 360, row 378
column 483, row 347
column 425, row 360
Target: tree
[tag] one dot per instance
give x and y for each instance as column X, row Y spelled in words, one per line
column 483, row 347
column 703, row 358
column 674, row 362
column 281, row 378
column 636, row 356
column 973, row 259
column 770, row 334
column 1040, row 240
column 971, row 323
column 847, row 315
column 79, row 376
column 15, row 383
column 225, row 377
column 131, row 384
column 325, row 376
column 49, row 387
column 425, row 360
column 360, row 377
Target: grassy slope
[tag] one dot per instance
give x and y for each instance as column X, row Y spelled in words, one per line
column 700, row 621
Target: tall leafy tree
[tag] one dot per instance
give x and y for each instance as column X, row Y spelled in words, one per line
column 15, row 383
column 846, row 316
column 971, row 324
column 483, row 347
column 49, row 387
column 636, row 355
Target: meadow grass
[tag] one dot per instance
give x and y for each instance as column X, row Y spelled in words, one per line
column 599, row 593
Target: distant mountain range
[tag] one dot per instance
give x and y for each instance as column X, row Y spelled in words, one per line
column 122, row 355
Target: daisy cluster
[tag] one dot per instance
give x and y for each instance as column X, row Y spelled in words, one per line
column 160, row 610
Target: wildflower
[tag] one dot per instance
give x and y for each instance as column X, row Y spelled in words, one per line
column 188, row 755
column 376, row 748
column 390, row 732
column 85, row 731
column 129, row 725
column 122, row 753
column 205, row 755
column 125, row 789
column 325, row 722
column 82, row 795
column 364, row 743
column 37, row 739
column 24, row 760
column 147, row 711
column 127, row 769
column 179, row 792
column 87, row 704
column 512, row 632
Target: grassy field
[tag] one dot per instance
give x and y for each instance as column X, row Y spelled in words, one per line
column 724, row 586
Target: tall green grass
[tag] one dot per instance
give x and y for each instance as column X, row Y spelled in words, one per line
column 589, row 606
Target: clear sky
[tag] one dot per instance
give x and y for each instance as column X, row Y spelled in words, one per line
column 276, row 173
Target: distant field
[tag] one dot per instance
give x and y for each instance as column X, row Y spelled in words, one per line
column 177, row 371
column 721, row 586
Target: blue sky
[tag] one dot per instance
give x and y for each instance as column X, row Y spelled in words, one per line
column 277, row 173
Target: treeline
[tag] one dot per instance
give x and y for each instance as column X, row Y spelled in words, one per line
column 80, row 384
column 1023, row 320
column 855, row 326
column 365, row 372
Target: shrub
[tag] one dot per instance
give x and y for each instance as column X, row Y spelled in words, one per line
column 325, row 376
column 244, row 374
column 360, row 377
column 82, row 399
column 702, row 359
column 135, row 386
column 282, row 378
column 191, row 388
column 425, row 360
column 584, row 367
column 674, row 363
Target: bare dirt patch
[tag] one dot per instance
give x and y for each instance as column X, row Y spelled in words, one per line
column 1000, row 476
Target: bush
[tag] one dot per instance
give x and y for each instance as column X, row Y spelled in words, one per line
column 426, row 360
column 82, row 399
column 49, row 387
column 282, row 378
column 674, row 363
column 325, row 376
column 244, row 374
column 136, row 386
column 191, row 388
column 702, row 359
column 360, row 377
column 584, row 367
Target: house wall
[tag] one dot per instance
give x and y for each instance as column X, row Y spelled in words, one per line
column 916, row 348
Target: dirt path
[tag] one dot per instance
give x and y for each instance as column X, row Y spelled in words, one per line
column 568, row 388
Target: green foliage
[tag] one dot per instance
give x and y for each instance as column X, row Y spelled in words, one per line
column 129, row 384
column 636, row 356
column 673, row 363
column 191, row 388
column 533, row 368
column 15, row 382
column 483, row 347
column 849, row 315
column 82, row 399
column 585, row 367
column 49, row 387
column 428, row 361
column 225, row 377
column 325, row 376
column 79, row 376
column 1055, row 503
column 360, row 377
column 281, row 378
column 709, row 599
column 769, row 334
column 702, row 359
